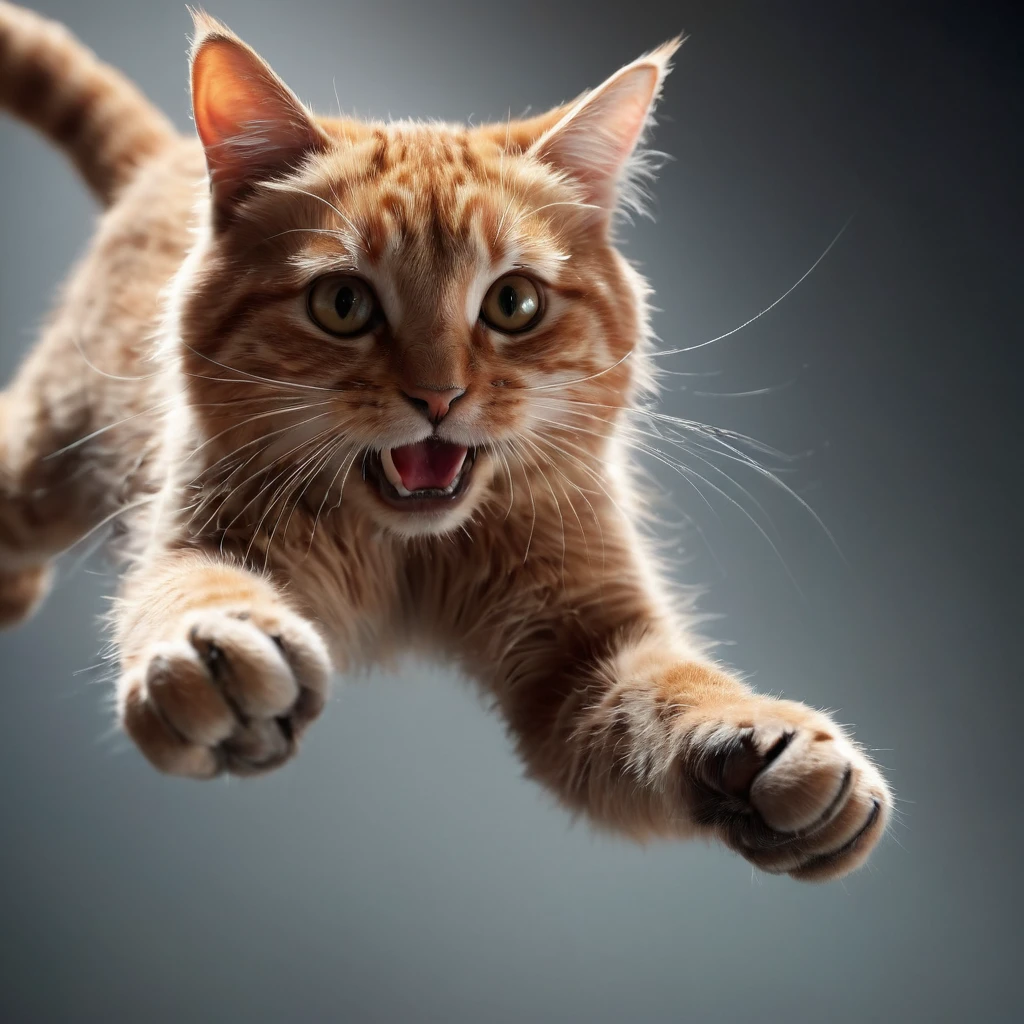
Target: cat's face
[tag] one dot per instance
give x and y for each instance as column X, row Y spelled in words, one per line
column 420, row 313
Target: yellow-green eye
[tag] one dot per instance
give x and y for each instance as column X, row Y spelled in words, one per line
column 342, row 305
column 512, row 304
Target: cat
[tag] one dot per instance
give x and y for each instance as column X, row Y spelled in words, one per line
column 354, row 390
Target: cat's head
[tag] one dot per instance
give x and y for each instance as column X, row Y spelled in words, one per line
column 417, row 312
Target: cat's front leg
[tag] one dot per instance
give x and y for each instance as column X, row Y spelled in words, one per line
column 218, row 673
column 653, row 741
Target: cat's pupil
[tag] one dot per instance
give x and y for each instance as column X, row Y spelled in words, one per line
column 508, row 300
column 344, row 301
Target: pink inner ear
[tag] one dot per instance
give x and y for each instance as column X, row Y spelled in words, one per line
column 594, row 141
column 621, row 115
column 223, row 97
column 248, row 120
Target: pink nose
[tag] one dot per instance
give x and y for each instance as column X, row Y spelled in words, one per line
column 434, row 403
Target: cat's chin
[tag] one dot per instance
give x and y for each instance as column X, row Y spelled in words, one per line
column 426, row 511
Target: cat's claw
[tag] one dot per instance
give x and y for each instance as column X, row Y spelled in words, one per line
column 233, row 692
column 788, row 790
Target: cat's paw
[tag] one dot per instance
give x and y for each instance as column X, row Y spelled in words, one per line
column 782, row 785
column 231, row 691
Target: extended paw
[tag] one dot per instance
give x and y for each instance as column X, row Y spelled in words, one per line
column 232, row 691
column 782, row 785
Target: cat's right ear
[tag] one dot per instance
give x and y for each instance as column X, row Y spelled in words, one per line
column 595, row 140
column 252, row 126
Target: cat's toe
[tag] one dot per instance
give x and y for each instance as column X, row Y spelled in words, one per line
column 144, row 717
column 247, row 668
column 848, row 847
column 259, row 746
column 789, row 791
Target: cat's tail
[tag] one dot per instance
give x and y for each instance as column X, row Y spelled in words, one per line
column 54, row 83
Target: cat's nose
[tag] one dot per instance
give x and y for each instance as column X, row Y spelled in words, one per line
column 434, row 403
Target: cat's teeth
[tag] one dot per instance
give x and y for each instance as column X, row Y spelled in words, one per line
column 391, row 472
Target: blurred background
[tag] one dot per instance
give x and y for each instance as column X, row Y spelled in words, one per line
column 402, row 869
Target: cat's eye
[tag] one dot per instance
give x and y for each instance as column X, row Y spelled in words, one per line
column 512, row 304
column 342, row 305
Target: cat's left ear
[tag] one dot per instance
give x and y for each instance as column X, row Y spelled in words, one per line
column 252, row 126
column 594, row 142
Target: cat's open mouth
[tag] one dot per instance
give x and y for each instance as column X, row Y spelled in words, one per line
column 428, row 475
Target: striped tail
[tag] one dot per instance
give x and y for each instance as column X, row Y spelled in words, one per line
column 54, row 83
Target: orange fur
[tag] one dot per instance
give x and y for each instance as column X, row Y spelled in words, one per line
column 226, row 434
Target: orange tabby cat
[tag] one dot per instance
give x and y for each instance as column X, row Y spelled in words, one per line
column 352, row 389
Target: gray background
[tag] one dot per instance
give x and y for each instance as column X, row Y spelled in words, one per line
column 401, row 869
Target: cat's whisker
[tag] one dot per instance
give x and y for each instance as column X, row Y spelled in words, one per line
column 499, row 451
column 278, row 481
column 346, row 466
column 256, row 377
column 772, row 477
column 583, row 494
column 729, row 451
column 313, row 467
column 102, row 430
column 330, row 232
column 501, row 182
column 533, row 503
column 209, row 487
column 597, row 479
column 685, row 444
column 103, row 373
column 549, row 461
column 628, row 436
column 238, row 489
column 554, row 500
column 708, row 430
column 581, row 464
column 686, row 472
column 767, row 309
column 689, row 449
column 526, row 214
column 577, row 380
column 106, row 520
column 217, row 494
column 771, row 389
column 215, row 491
column 291, row 486
column 266, row 414
column 286, row 186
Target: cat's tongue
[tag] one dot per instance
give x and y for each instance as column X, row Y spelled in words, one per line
column 429, row 464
